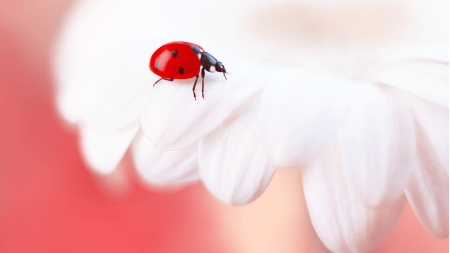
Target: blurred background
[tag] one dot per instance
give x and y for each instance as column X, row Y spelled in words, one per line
column 51, row 202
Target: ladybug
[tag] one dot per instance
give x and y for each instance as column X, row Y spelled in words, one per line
column 182, row 60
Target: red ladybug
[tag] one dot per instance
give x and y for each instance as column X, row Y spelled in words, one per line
column 182, row 60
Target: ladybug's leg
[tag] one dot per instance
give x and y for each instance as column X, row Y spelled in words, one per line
column 157, row 82
column 193, row 88
column 162, row 79
column 203, row 82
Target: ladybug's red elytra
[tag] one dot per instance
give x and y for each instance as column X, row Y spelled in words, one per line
column 182, row 60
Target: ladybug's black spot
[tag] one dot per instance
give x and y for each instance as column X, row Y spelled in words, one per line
column 196, row 50
column 181, row 70
column 174, row 53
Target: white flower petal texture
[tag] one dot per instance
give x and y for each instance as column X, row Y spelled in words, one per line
column 233, row 161
column 341, row 220
column 434, row 121
column 377, row 144
column 425, row 77
column 174, row 120
column 299, row 114
column 164, row 167
column 427, row 190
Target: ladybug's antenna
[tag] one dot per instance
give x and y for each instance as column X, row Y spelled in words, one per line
column 225, row 76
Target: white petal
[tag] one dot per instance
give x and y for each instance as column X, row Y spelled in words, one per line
column 103, row 79
column 341, row 220
column 103, row 149
column 174, row 120
column 435, row 123
column 427, row 190
column 377, row 143
column 299, row 114
column 164, row 167
column 114, row 92
column 426, row 78
column 434, row 120
column 108, row 103
column 102, row 56
column 233, row 161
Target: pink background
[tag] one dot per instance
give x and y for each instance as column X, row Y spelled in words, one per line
column 50, row 202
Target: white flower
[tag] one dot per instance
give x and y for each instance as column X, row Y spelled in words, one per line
column 356, row 94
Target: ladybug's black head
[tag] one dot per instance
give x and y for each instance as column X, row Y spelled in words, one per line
column 211, row 64
column 220, row 68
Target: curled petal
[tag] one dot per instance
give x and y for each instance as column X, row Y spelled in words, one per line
column 377, row 144
column 341, row 220
column 164, row 167
column 233, row 162
column 427, row 190
column 173, row 119
column 103, row 149
column 300, row 113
